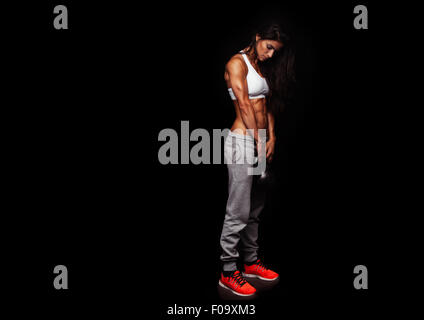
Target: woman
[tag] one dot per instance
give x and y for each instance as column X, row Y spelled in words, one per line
column 258, row 80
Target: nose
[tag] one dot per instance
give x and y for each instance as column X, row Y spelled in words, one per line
column 270, row 54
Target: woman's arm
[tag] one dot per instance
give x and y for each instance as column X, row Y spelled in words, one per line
column 271, row 122
column 237, row 73
column 270, row 145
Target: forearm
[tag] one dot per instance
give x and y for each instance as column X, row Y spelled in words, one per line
column 249, row 118
column 271, row 126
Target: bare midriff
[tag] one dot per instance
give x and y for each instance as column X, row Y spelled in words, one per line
column 259, row 107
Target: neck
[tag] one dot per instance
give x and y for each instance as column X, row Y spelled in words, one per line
column 250, row 54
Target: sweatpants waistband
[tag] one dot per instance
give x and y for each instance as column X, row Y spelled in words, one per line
column 238, row 136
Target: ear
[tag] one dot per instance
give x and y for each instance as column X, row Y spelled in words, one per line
column 257, row 37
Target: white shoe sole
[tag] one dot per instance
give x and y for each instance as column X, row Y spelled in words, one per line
column 246, row 275
column 239, row 294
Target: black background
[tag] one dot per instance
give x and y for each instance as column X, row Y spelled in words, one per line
column 137, row 236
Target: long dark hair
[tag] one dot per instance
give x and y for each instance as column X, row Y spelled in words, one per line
column 278, row 71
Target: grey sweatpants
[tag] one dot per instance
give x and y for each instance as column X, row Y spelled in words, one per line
column 246, row 199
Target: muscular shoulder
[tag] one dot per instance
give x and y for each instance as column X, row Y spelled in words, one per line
column 236, row 65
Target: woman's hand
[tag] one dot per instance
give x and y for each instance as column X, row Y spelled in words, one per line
column 270, row 148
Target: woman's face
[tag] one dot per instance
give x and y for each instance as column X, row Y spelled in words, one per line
column 266, row 48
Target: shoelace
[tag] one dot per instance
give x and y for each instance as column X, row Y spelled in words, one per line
column 239, row 279
column 260, row 265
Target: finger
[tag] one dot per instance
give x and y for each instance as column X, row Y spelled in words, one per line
column 268, row 152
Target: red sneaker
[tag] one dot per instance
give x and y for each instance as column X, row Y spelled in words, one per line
column 258, row 270
column 237, row 284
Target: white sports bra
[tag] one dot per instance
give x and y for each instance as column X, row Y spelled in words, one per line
column 256, row 85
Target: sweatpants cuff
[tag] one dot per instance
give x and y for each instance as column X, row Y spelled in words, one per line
column 229, row 266
column 249, row 257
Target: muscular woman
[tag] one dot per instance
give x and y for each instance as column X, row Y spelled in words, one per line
column 254, row 95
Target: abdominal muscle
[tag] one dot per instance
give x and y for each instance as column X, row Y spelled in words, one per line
column 260, row 115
